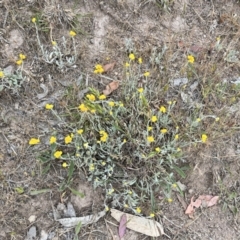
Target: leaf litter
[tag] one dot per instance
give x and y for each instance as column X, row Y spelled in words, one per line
column 202, row 200
column 142, row 225
column 112, row 86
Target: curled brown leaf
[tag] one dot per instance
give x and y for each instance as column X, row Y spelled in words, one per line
column 112, row 86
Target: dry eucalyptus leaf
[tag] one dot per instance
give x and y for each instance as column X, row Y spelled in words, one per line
column 109, row 67
column 143, row 225
column 202, row 200
column 112, row 86
column 74, row 221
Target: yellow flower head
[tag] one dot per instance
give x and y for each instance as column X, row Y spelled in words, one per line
column 150, row 139
column 106, row 208
column 68, row 139
column 140, row 90
column 127, row 64
column 22, row 56
column 58, row 154
column 140, row 60
column 98, row 69
column 19, row 62
column 34, row 20
column 111, row 191
column 126, row 205
column 49, row 106
column 170, row 102
column 102, row 97
column 158, row 149
column 54, row 43
column 103, row 163
column 104, row 136
column 52, row 140
column 217, row 119
column 164, row 130
column 152, row 215
column 111, row 104
column 204, row 138
column 162, row 109
column 80, row 131
column 131, row 56
column 85, row 145
column 198, row 119
column 154, row 119
column 120, row 104
column 91, row 97
column 176, row 137
column 146, row 74
column 190, row 59
column 138, row 210
column 169, row 200
column 64, row 165
column 179, row 149
column 149, row 128
column 174, row 185
column 34, row 141
column 1, row 74
column 72, row 33
column 91, row 167
column 82, row 108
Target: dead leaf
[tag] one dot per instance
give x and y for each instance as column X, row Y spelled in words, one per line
column 213, row 201
column 122, row 226
column 109, row 67
column 112, row 86
column 140, row 224
column 74, row 221
column 202, row 200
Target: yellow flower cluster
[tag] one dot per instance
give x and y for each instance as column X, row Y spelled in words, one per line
column 154, row 119
column 164, row 130
column 162, row 109
column 80, row 131
column 34, row 141
column 140, row 90
column 138, row 210
column 49, row 106
column 190, row 58
column 58, row 154
column 102, row 97
column 150, row 139
column 146, row 74
column 204, row 138
column 158, row 149
column 131, row 56
column 91, row 97
column 52, row 140
column 68, row 139
column 20, row 59
column 111, row 104
column 72, row 33
column 104, row 136
column 83, row 108
column 91, row 167
column 98, row 69
column 1, row 74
